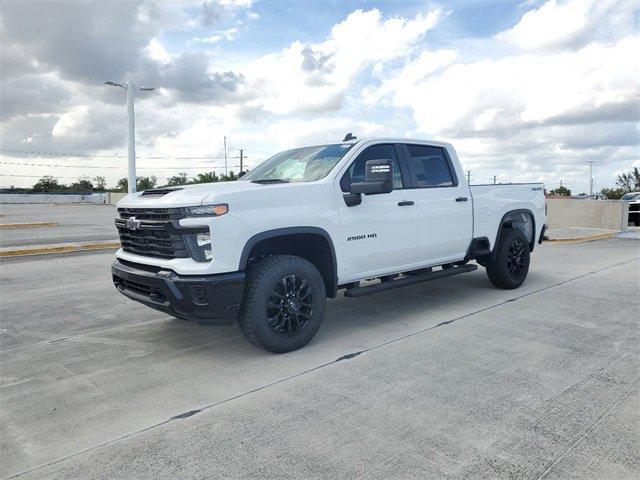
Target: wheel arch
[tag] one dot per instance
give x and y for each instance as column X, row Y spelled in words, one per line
column 517, row 219
column 311, row 243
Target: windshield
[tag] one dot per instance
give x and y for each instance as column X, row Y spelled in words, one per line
column 630, row 196
column 306, row 164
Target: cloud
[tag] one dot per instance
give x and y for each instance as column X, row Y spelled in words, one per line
column 570, row 23
column 315, row 77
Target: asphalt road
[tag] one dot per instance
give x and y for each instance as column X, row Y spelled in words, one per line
column 449, row 379
column 76, row 223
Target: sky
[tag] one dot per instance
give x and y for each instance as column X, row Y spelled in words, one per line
column 524, row 90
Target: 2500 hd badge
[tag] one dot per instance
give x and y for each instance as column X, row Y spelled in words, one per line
column 361, row 237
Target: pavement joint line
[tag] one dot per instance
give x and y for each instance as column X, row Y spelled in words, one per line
column 61, row 248
column 587, row 431
column 7, row 226
column 196, row 411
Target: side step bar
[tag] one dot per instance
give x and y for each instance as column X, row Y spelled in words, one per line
column 404, row 281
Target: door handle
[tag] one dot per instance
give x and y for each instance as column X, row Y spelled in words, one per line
column 404, row 203
column 461, row 199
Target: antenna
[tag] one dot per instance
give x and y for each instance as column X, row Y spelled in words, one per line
column 348, row 137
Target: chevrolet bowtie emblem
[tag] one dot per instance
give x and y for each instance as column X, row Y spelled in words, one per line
column 133, row 223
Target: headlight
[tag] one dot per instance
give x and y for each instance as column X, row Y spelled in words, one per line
column 199, row 246
column 207, row 210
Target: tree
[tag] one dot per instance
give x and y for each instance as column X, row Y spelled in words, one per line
column 100, row 183
column 146, row 183
column 630, row 182
column 142, row 183
column 613, row 193
column 82, row 185
column 180, row 179
column 48, row 184
column 208, row 177
column 564, row 191
column 228, row 178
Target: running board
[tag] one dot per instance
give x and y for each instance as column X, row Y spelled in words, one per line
column 407, row 280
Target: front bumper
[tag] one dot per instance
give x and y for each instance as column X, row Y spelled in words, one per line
column 205, row 299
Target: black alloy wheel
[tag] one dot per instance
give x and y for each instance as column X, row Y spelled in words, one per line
column 290, row 306
column 516, row 258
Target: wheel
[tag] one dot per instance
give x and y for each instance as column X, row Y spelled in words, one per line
column 509, row 266
column 283, row 305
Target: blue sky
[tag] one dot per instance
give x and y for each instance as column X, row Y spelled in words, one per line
column 526, row 91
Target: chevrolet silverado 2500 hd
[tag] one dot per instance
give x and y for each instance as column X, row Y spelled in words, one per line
column 266, row 251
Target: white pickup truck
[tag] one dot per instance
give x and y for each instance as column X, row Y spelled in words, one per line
column 361, row 216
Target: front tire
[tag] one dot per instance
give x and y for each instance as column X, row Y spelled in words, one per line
column 284, row 303
column 509, row 266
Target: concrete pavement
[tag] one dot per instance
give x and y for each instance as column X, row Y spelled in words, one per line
column 75, row 223
column 451, row 379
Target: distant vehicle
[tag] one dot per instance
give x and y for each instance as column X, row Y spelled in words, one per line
column 595, row 196
column 267, row 250
column 634, row 207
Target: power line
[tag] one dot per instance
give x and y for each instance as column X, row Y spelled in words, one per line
column 91, row 155
column 201, row 167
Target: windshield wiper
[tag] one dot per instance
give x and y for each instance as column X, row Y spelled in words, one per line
column 269, row 180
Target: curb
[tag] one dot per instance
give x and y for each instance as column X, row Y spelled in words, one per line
column 598, row 236
column 27, row 225
column 64, row 248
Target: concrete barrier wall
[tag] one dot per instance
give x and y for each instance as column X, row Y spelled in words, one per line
column 96, row 198
column 568, row 213
column 114, row 197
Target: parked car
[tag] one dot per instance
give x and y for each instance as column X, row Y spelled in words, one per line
column 267, row 250
column 595, row 196
column 634, row 207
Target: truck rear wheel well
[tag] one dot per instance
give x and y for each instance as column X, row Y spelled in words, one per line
column 312, row 246
column 522, row 220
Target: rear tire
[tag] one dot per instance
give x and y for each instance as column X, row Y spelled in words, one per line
column 509, row 266
column 284, row 303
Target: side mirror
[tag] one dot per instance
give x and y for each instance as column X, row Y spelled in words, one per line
column 378, row 178
column 241, row 174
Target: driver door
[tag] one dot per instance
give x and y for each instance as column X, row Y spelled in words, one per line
column 380, row 235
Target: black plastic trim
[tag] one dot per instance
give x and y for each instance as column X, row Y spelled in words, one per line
column 171, row 293
column 281, row 232
column 355, row 292
column 531, row 241
column 478, row 247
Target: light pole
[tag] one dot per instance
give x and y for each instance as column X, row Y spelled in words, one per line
column 590, row 163
column 131, row 133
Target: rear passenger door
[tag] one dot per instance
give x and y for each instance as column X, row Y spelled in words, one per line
column 445, row 211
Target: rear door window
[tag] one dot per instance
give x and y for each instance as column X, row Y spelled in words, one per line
column 429, row 167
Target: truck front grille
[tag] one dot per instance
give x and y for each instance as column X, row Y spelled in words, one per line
column 151, row 213
column 153, row 232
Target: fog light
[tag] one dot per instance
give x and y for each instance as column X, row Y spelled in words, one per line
column 203, row 239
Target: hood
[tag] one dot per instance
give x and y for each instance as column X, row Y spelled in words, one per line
column 186, row 195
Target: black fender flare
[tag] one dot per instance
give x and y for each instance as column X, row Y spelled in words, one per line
column 281, row 232
column 503, row 222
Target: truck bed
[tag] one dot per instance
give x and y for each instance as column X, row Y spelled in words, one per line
column 491, row 202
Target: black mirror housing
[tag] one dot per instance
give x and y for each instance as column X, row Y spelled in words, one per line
column 378, row 178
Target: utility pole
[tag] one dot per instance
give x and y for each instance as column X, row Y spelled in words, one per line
column 560, row 183
column 590, row 163
column 131, row 132
column 131, row 140
column 225, row 157
column 241, row 158
column 468, row 177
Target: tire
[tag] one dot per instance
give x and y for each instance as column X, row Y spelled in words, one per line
column 509, row 266
column 267, row 319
